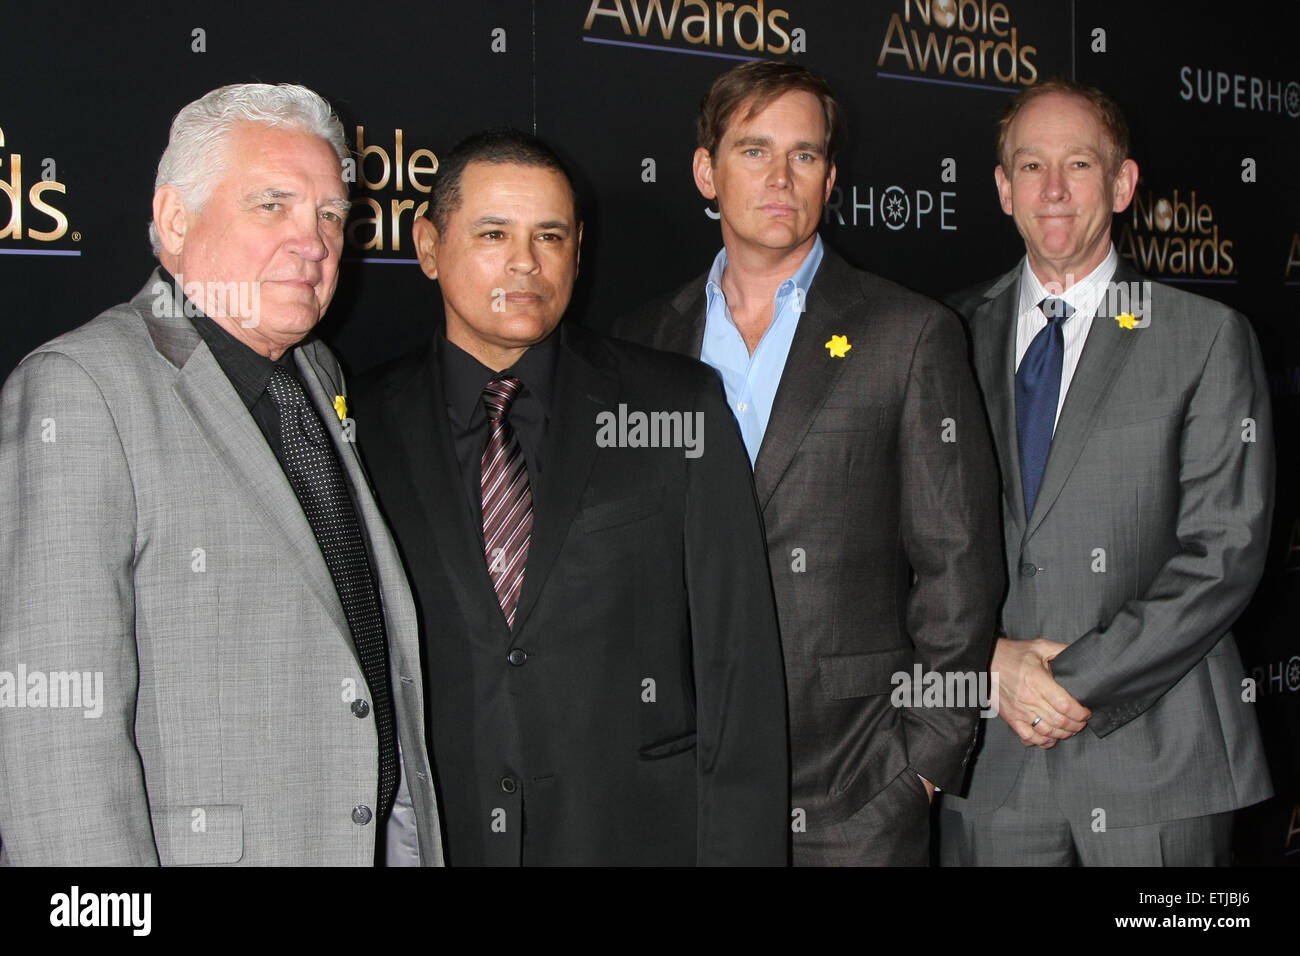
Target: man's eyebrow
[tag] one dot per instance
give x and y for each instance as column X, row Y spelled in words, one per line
column 490, row 220
column 271, row 193
column 1069, row 150
column 753, row 141
column 275, row 194
column 806, row 147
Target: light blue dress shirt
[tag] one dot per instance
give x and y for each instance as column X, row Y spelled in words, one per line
column 751, row 380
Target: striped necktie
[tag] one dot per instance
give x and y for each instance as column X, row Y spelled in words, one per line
column 506, row 496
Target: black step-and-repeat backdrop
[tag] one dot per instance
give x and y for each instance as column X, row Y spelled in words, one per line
column 1212, row 93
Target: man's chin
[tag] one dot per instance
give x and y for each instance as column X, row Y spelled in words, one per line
column 784, row 236
column 283, row 325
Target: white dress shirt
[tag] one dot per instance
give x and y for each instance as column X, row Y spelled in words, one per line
column 1084, row 297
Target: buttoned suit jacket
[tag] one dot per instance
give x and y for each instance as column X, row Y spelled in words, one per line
column 148, row 534
column 1147, row 539
column 874, row 468
column 636, row 712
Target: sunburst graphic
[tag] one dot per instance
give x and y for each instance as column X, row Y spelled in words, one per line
column 895, row 208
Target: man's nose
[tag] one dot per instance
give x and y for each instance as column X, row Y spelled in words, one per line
column 779, row 174
column 523, row 259
column 309, row 240
column 1055, row 186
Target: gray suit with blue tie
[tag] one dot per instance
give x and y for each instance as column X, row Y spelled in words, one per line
column 1146, row 541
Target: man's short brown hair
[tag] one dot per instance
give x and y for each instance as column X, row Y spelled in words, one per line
column 1108, row 114
column 759, row 83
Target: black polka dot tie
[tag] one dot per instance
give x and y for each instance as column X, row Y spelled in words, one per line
column 316, row 475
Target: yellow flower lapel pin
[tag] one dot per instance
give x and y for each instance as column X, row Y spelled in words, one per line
column 1126, row 320
column 838, row 346
column 341, row 407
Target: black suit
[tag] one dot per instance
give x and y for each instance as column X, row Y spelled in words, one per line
column 636, row 714
column 859, row 489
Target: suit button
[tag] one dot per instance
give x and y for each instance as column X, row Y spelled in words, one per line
column 508, row 784
column 361, row 815
column 1028, row 569
column 517, row 656
column 360, row 708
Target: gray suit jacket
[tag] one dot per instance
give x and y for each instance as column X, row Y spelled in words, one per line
column 151, row 543
column 860, row 491
column 1147, row 539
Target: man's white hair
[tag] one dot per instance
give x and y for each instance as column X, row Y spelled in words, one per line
column 196, row 153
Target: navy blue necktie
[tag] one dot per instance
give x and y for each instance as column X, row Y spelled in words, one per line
column 1038, row 387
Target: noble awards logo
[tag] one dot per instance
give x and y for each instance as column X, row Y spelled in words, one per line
column 1176, row 236
column 378, row 222
column 957, row 42
column 26, row 230
column 748, row 30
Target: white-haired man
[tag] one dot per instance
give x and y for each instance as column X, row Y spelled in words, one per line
column 213, row 645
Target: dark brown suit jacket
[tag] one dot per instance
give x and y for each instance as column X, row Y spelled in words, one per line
column 879, row 491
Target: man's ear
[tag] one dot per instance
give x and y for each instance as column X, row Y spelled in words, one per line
column 170, row 219
column 425, row 234
column 830, row 183
column 1004, row 187
column 702, row 167
column 577, row 258
column 1126, row 181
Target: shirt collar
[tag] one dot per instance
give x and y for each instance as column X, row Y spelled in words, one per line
column 800, row 279
column 1083, row 297
column 464, row 376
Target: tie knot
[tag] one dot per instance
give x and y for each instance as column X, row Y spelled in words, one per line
column 499, row 394
column 284, row 388
column 1055, row 308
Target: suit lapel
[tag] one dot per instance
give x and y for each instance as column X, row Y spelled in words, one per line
column 1099, row 366
column 809, row 374
column 581, row 390
column 416, row 414
column 994, row 337
column 686, row 336
column 220, row 416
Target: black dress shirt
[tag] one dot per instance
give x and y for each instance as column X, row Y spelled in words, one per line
column 463, row 378
column 250, row 373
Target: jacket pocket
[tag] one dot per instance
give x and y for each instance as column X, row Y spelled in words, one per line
column 1123, row 414
column 609, row 514
column 668, row 748
column 863, row 675
column 199, row 835
column 847, row 418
